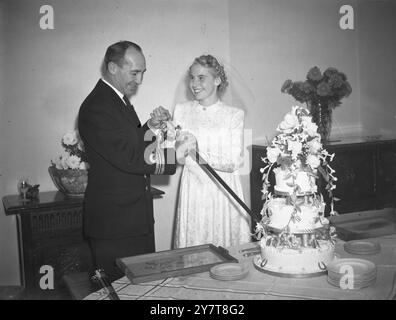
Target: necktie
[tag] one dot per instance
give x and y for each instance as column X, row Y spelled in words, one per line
column 131, row 111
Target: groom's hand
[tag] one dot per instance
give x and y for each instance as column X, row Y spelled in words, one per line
column 158, row 119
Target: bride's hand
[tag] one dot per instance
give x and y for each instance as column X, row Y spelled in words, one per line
column 186, row 143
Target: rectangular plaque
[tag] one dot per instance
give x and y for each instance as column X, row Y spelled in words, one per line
column 173, row 263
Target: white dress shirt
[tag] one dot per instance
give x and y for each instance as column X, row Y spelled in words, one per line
column 115, row 90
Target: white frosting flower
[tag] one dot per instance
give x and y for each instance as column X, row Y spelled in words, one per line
column 294, row 110
column 73, row 162
column 84, row 165
column 297, row 164
column 305, row 120
column 313, row 161
column 314, row 146
column 70, row 138
column 272, row 154
column 310, row 127
column 289, row 123
column 295, row 147
column 80, row 146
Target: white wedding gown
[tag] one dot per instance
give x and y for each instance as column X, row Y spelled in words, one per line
column 206, row 213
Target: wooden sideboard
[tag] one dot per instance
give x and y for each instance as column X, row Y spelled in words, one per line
column 50, row 233
column 366, row 172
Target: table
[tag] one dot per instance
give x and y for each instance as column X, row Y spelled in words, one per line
column 261, row 286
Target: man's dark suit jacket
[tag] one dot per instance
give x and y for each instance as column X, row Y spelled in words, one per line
column 118, row 202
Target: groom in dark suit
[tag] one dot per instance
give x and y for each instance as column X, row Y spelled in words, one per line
column 118, row 206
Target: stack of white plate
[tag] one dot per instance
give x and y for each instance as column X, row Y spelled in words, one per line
column 362, row 247
column 351, row 273
column 228, row 271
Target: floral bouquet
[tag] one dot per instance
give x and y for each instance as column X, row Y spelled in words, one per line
column 75, row 157
column 321, row 92
column 69, row 170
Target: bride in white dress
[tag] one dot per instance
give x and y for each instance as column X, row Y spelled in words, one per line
column 206, row 213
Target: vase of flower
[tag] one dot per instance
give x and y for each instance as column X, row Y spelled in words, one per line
column 69, row 171
column 322, row 116
column 322, row 92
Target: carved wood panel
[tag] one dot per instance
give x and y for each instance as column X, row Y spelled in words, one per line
column 56, row 221
column 55, row 240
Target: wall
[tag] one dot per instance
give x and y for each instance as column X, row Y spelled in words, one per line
column 377, row 67
column 8, row 244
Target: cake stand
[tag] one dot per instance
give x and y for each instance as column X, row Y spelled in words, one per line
column 260, row 265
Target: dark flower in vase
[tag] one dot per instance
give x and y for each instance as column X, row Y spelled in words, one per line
column 287, row 86
column 335, row 81
column 314, row 74
column 323, row 89
column 322, row 92
column 346, row 89
column 307, row 87
column 330, row 71
column 296, row 89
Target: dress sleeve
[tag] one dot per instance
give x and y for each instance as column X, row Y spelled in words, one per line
column 227, row 156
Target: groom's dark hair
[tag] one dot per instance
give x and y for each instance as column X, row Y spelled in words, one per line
column 116, row 52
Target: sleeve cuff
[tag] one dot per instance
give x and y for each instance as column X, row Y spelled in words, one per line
column 168, row 144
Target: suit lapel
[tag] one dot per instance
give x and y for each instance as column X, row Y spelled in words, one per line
column 129, row 113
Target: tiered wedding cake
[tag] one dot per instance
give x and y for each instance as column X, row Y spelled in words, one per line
column 295, row 237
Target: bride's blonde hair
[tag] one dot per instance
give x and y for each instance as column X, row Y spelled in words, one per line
column 208, row 61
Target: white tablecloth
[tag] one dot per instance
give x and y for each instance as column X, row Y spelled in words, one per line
column 262, row 286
